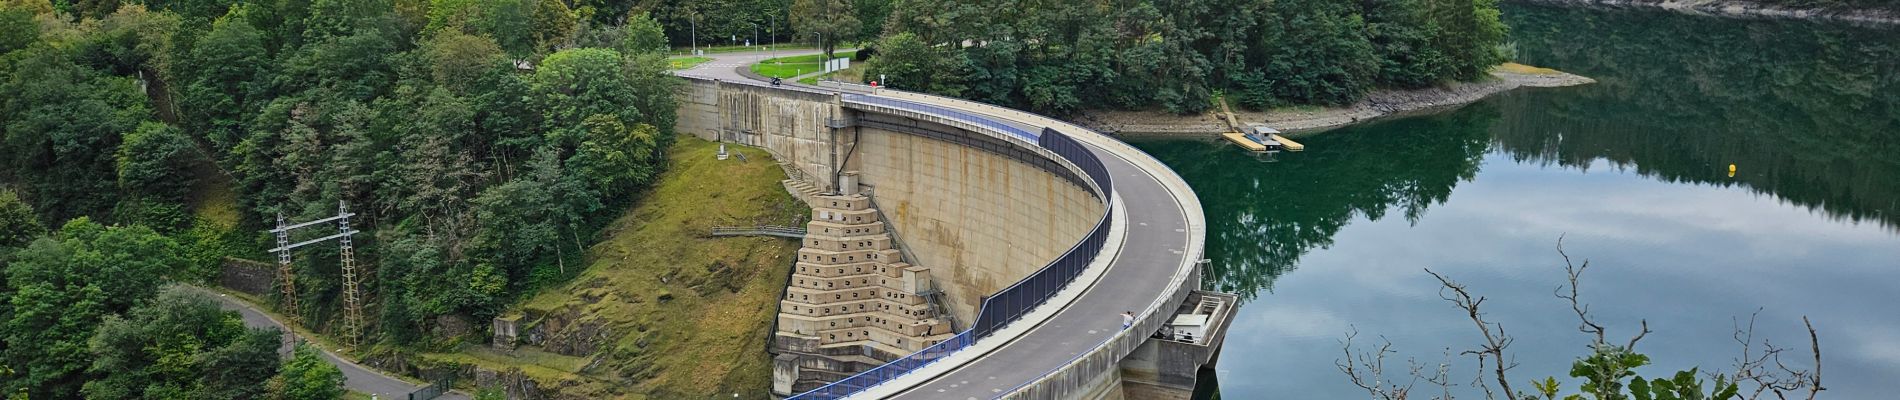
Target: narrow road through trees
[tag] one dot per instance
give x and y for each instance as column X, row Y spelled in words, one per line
column 356, row 377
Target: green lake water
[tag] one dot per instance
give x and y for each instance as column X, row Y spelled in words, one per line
column 1631, row 171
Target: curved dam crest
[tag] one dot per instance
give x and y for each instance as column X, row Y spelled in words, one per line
column 977, row 207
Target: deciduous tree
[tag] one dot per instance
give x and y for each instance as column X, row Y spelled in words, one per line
column 180, row 345
column 827, row 21
column 307, row 376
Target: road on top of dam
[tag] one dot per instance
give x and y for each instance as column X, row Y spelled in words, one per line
column 1154, row 247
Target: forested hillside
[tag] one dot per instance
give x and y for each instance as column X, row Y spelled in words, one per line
column 482, row 143
column 1054, row 56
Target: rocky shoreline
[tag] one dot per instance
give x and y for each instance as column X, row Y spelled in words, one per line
column 1742, row 8
column 1377, row 104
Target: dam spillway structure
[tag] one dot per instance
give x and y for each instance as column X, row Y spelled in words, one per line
column 853, row 302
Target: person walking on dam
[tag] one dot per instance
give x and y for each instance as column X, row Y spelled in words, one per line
column 1128, row 319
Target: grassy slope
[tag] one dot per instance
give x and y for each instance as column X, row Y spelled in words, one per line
column 213, row 196
column 708, row 336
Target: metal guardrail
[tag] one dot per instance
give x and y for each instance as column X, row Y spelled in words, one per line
column 1077, row 372
column 1011, row 303
column 992, row 124
column 761, row 230
column 891, row 370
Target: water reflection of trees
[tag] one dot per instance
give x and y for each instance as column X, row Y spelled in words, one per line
column 1809, row 112
column 1262, row 216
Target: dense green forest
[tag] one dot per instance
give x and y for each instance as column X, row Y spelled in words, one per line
column 1058, row 56
column 481, row 143
column 1844, row 5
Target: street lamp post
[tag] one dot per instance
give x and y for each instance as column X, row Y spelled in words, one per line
column 692, row 20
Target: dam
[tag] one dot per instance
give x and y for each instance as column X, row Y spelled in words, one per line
column 961, row 250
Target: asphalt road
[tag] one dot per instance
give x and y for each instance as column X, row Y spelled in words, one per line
column 356, row 377
column 725, row 66
column 1154, row 247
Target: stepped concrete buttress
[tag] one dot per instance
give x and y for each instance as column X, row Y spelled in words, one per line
column 853, row 302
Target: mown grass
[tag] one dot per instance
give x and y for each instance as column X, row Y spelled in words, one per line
column 783, row 46
column 855, row 74
column 788, row 67
column 684, row 62
column 685, row 315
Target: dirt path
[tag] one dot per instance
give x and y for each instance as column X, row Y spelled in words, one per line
column 1307, row 119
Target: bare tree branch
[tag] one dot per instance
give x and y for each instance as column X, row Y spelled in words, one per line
column 1781, row 380
column 1367, row 369
column 1495, row 339
column 1814, row 344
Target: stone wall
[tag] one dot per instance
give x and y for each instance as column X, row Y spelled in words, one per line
column 251, row 277
column 981, row 220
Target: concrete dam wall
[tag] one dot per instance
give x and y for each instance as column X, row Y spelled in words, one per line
column 792, row 124
column 978, row 218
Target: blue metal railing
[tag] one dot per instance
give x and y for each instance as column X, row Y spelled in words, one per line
column 891, row 370
column 941, row 111
column 1009, row 304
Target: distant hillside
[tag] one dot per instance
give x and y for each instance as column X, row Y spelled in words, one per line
column 1866, row 11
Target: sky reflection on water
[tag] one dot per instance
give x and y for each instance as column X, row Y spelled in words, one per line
column 1631, row 171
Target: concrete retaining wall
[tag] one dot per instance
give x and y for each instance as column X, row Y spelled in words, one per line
column 792, row 124
column 251, row 277
column 980, row 220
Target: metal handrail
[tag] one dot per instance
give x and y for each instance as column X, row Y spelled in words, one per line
column 1009, row 304
column 890, row 228
column 890, row 370
column 870, row 194
column 760, row 230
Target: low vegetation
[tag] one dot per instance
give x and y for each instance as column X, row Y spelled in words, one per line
column 662, row 310
column 788, row 67
column 81, row 314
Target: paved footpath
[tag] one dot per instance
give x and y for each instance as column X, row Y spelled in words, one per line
column 355, row 377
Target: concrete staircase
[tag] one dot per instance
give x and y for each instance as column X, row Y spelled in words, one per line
column 802, row 190
column 796, row 184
